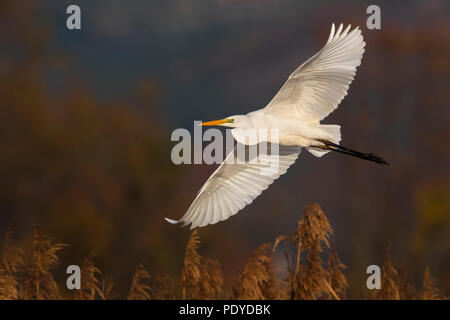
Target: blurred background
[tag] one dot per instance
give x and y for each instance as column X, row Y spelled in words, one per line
column 86, row 118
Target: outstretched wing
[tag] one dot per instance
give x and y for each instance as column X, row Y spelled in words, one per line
column 317, row 87
column 234, row 185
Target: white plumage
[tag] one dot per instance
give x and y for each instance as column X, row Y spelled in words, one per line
column 317, row 87
column 311, row 93
column 233, row 186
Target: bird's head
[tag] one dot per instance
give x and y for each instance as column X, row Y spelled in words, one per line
column 231, row 122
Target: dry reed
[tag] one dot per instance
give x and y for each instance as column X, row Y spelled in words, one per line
column 201, row 278
column 139, row 289
column 11, row 264
column 430, row 292
column 90, row 283
column 307, row 276
column 257, row 280
column 39, row 283
column 390, row 280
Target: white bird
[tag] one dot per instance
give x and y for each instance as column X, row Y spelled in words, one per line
column 310, row 94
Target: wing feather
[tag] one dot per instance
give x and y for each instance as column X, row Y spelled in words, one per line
column 234, row 185
column 316, row 88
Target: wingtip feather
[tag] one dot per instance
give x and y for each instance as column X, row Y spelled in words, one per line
column 331, row 32
column 172, row 221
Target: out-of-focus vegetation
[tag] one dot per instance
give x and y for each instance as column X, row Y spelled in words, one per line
column 95, row 172
column 307, row 276
column 74, row 163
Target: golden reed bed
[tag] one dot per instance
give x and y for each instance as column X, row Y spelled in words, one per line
column 306, row 276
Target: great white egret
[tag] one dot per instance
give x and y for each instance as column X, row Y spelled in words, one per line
column 310, row 94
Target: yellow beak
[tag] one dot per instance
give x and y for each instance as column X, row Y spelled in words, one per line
column 215, row 122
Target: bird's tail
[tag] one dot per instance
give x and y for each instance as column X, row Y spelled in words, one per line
column 330, row 146
column 333, row 131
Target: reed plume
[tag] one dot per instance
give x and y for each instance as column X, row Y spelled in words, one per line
column 161, row 287
column 257, row 280
column 39, row 283
column 309, row 280
column 308, row 277
column 90, row 283
column 335, row 276
column 139, row 289
column 406, row 289
column 430, row 292
column 107, row 289
column 389, row 280
column 201, row 278
column 11, row 264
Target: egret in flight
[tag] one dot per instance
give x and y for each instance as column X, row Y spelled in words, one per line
column 310, row 94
